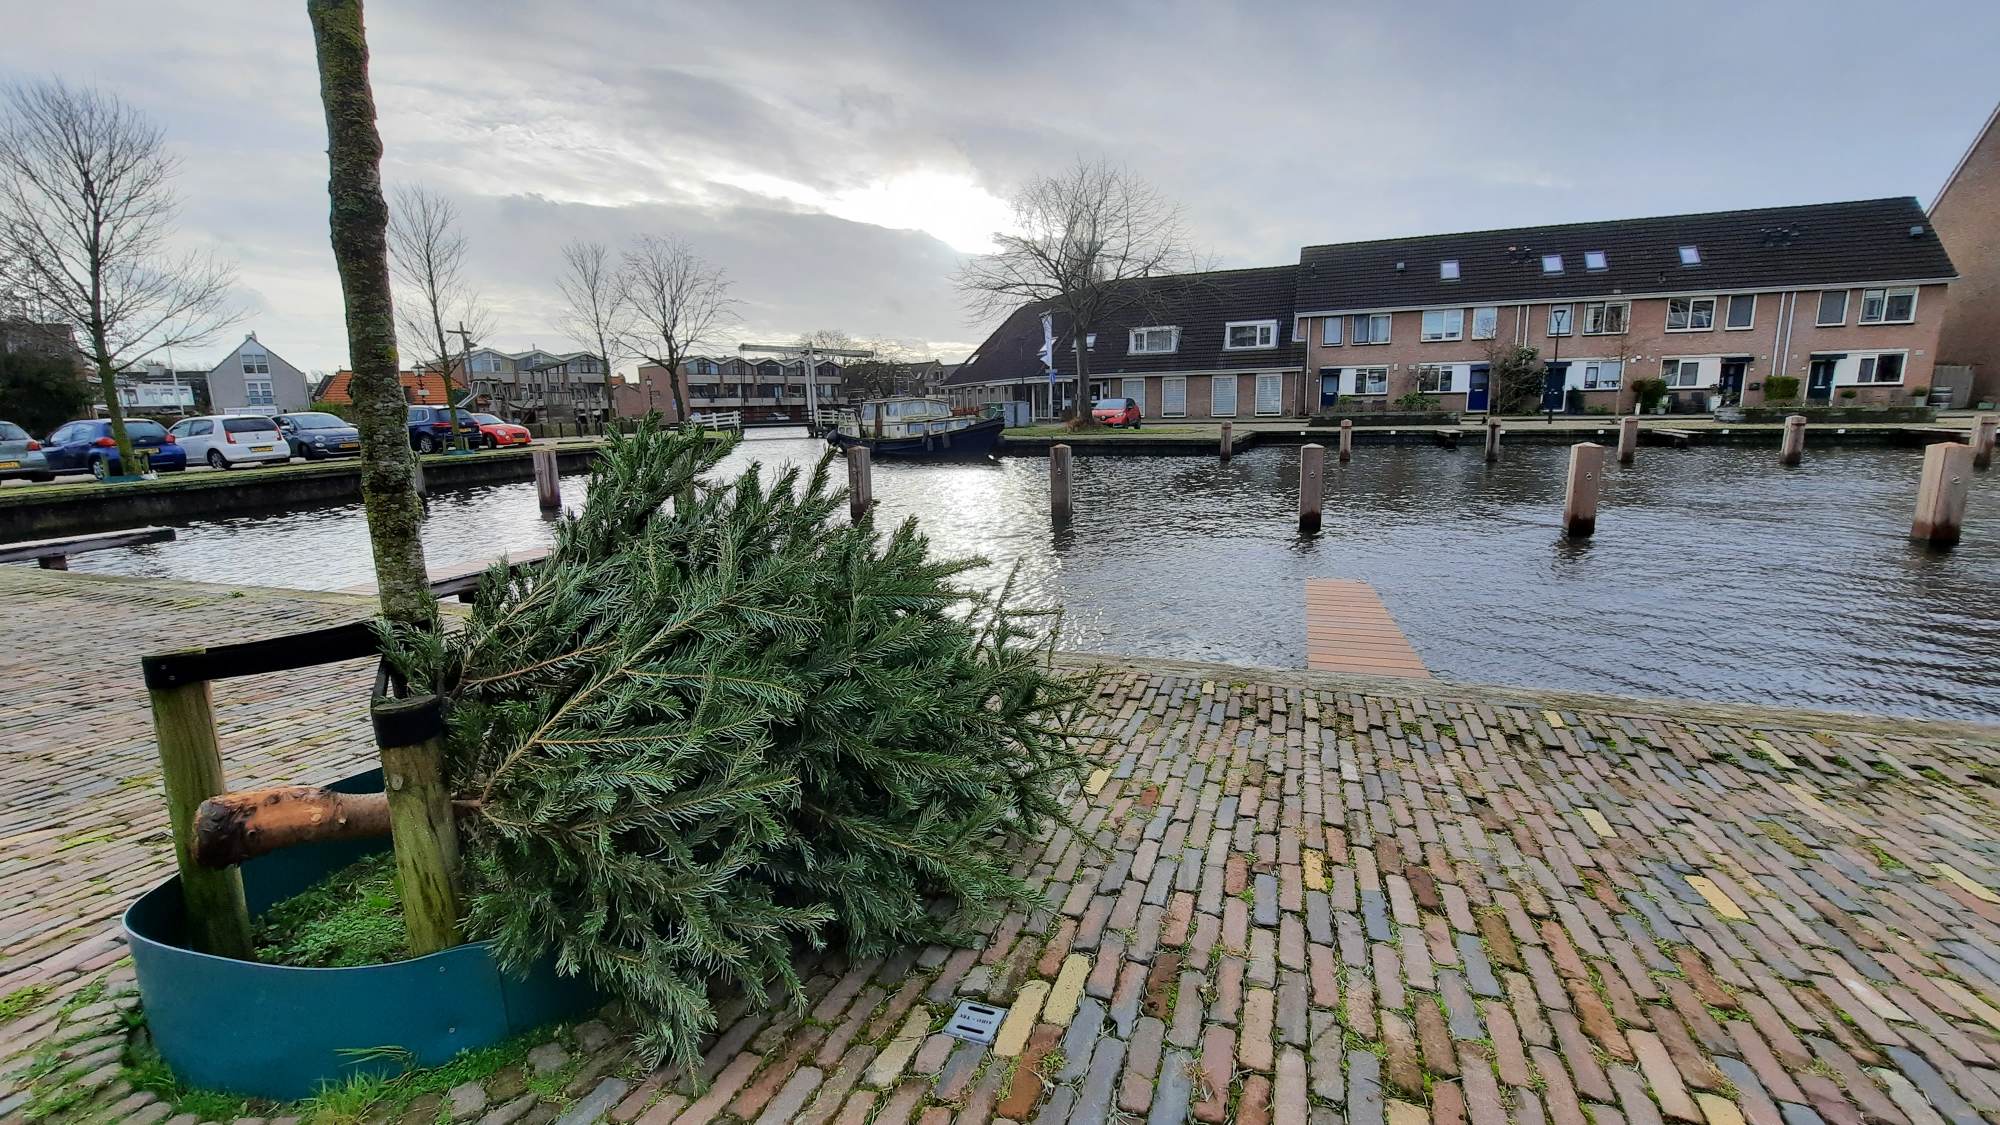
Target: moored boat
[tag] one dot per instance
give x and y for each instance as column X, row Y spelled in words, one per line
column 907, row 426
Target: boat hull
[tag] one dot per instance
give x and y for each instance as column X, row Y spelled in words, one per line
column 976, row 440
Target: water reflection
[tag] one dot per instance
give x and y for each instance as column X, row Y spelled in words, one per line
column 1713, row 574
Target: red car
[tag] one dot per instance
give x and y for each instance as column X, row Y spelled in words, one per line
column 1116, row 412
column 498, row 433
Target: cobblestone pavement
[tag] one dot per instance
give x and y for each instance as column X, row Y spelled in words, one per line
column 1296, row 898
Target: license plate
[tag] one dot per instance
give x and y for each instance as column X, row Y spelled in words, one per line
column 10, row 464
column 350, row 445
column 260, row 449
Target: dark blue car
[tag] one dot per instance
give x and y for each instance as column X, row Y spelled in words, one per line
column 431, row 430
column 88, row 447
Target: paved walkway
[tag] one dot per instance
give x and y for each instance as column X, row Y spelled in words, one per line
column 1290, row 898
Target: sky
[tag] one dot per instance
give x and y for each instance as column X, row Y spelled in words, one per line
column 840, row 159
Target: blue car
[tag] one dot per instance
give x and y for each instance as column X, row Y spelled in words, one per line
column 431, row 429
column 88, row 447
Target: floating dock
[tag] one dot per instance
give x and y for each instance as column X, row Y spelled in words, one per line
column 1349, row 630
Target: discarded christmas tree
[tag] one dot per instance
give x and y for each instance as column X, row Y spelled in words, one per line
column 716, row 724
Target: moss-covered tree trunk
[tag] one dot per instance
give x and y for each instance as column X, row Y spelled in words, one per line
column 360, row 224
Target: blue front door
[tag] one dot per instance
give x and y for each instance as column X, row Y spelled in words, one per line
column 1329, row 388
column 1478, row 395
column 1552, row 386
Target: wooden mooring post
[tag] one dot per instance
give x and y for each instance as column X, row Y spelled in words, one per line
column 1586, row 472
column 1346, row 440
column 860, row 482
column 1492, row 437
column 410, row 736
column 548, row 484
column 1792, row 448
column 417, row 474
column 1226, row 449
column 1983, row 431
column 1059, row 477
column 1941, row 494
column 1628, row 440
column 1312, row 477
column 218, row 918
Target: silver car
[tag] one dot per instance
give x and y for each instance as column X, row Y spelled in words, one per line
column 21, row 455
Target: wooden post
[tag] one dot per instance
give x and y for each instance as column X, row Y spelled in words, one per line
column 1628, row 440
column 53, row 562
column 1312, row 477
column 1983, row 430
column 1792, row 449
column 1492, row 437
column 218, row 919
column 1346, row 440
column 1059, row 483
column 1226, row 450
column 1941, row 494
column 417, row 474
column 860, row 482
column 548, row 484
column 1586, row 468
column 410, row 734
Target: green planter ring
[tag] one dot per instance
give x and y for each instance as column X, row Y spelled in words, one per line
column 274, row 1031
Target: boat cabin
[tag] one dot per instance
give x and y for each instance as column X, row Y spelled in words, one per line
column 888, row 419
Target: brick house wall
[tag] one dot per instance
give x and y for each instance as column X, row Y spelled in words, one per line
column 1967, row 217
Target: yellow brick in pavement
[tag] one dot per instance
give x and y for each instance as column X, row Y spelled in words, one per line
column 1723, row 904
column 1598, row 824
column 1719, row 1111
column 1966, row 884
column 1061, row 1004
column 1094, row 784
column 1021, row 1018
column 1313, row 865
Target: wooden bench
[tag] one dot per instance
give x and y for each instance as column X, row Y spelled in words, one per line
column 53, row 554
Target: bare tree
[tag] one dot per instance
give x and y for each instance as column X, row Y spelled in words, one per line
column 1082, row 238
column 594, row 309
column 678, row 301
column 360, row 218
column 86, row 211
column 427, row 253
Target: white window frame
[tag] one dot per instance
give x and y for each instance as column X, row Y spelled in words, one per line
column 1596, row 261
column 1690, row 255
column 1689, row 366
column 1388, row 327
column 1451, row 325
column 1600, row 312
column 1267, row 335
column 1168, row 386
column 1609, row 375
column 1689, row 325
column 1491, row 332
column 1362, row 373
column 1215, row 385
column 1873, row 365
column 1568, row 314
column 256, row 365
column 1552, row 264
column 1436, row 373
column 253, row 397
column 1819, row 309
column 1730, row 307
column 1448, row 270
column 1274, row 383
column 1885, row 295
column 1331, row 331
column 1173, row 334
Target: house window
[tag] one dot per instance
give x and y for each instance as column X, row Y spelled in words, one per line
column 1690, row 314
column 1154, row 341
column 1448, row 270
column 1595, row 261
column 1173, row 396
column 1603, row 376
column 1434, row 378
column 1552, row 263
column 1222, row 396
column 1243, row 335
column 1444, row 324
column 257, row 392
column 1681, row 372
column 1371, row 328
column 1832, row 308
column 1089, row 340
column 1270, row 393
column 1888, row 306
column 256, row 364
column 1884, row 368
column 1606, row 318
column 1371, row 380
column 1485, row 322
column 1742, row 312
column 1329, row 333
column 1561, row 319
column 1690, row 255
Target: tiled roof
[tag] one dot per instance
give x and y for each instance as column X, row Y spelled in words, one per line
column 429, row 382
column 1770, row 247
column 1199, row 304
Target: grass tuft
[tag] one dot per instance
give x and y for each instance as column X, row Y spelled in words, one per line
column 352, row 917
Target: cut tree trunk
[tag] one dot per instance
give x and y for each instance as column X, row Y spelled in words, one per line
column 240, row 826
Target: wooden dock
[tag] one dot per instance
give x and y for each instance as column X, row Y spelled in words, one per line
column 1348, row 629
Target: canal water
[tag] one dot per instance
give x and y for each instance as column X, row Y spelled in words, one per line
column 1714, row 574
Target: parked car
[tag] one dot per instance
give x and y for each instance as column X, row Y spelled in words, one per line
column 497, row 431
column 228, row 440
column 86, row 446
column 313, row 435
column 1116, row 412
column 21, row 455
column 431, row 428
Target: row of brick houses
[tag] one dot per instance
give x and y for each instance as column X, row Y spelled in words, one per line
column 1846, row 297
